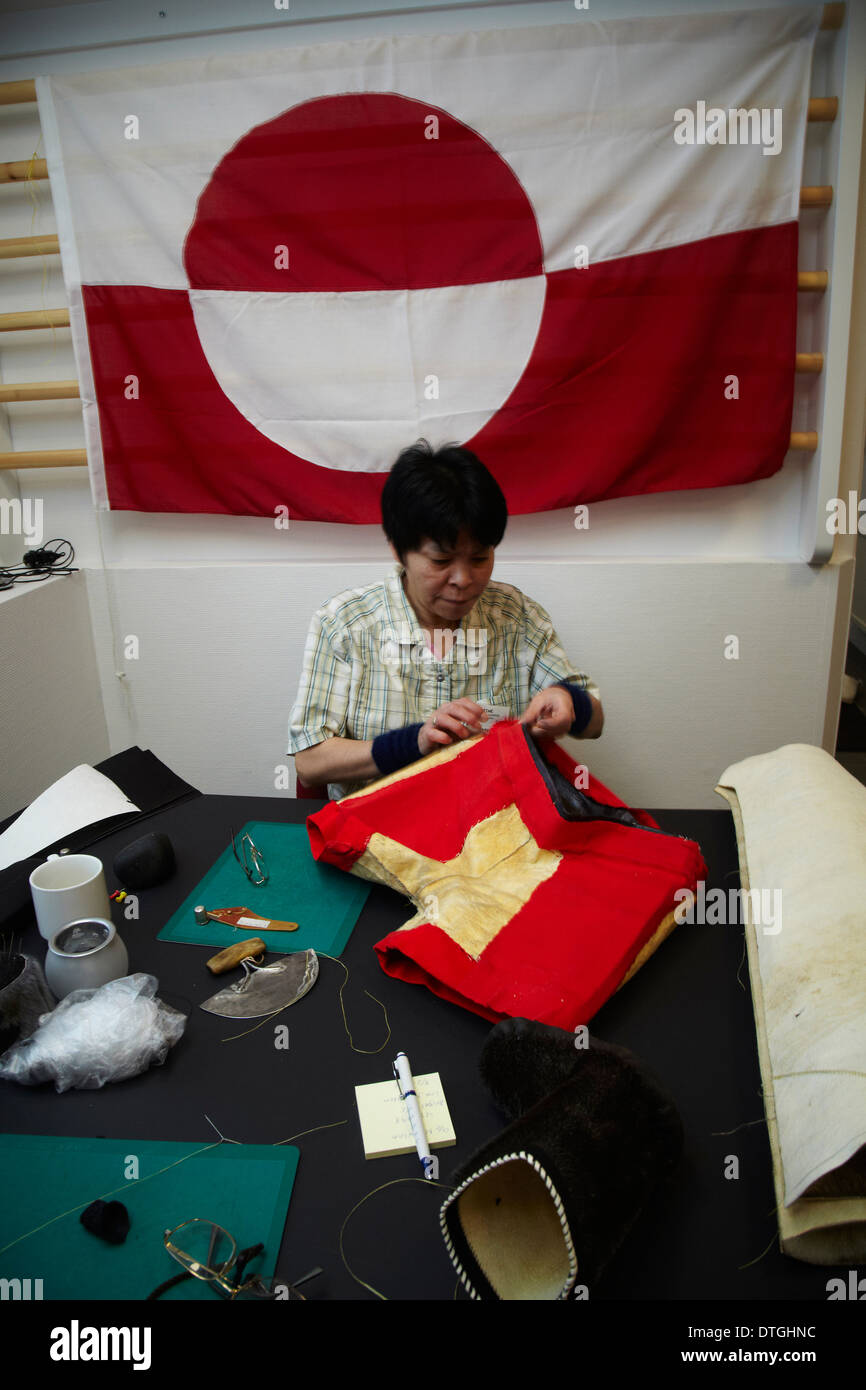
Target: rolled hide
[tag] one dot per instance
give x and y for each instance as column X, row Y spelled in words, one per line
column 801, row 834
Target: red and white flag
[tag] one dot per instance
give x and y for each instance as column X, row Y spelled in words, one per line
column 572, row 249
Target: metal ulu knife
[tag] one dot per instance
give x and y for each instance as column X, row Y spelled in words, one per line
column 266, row 989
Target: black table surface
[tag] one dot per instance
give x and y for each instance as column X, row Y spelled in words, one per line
column 687, row 1013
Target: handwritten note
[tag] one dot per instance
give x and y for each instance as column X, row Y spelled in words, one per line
column 385, row 1127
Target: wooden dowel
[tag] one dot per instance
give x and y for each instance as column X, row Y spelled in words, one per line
column 69, row 390
column 11, row 93
column 40, row 391
column 819, row 197
column 810, row 362
column 49, row 245
column 23, row 170
column 833, row 17
column 822, row 109
column 45, row 458
column 59, row 318
column 74, row 458
column 14, row 93
column 812, row 280
column 11, row 247
column 35, row 318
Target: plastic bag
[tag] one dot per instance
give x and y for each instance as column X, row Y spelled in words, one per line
column 97, row 1035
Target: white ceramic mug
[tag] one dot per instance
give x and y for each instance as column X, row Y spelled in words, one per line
column 68, row 887
column 84, row 955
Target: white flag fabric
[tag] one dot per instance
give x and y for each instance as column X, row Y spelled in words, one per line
column 571, row 248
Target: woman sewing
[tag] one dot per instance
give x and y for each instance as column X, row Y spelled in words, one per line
column 435, row 651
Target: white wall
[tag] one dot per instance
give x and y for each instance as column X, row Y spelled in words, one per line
column 50, row 695
column 643, row 599
column 219, row 651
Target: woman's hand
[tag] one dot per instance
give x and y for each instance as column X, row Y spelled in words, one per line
column 456, row 720
column 550, row 713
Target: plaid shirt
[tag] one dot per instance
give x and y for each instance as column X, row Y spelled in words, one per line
column 367, row 667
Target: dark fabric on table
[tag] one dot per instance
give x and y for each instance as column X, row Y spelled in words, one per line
column 605, row 1134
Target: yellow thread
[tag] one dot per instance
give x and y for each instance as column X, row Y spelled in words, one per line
column 278, row 1142
column 368, row 1051
column 334, row 1125
column 740, row 966
column 425, row 1182
column 234, row 1036
column 717, row 1133
column 759, row 1257
column 123, row 1188
column 135, row 1181
column 220, row 1133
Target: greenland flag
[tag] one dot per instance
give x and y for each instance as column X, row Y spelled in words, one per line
column 572, row 249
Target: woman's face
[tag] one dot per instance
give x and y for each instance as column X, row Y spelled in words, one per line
column 442, row 585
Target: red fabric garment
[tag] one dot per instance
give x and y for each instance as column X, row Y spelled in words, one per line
column 597, row 892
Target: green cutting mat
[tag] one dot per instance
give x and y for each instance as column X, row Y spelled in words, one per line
column 324, row 901
column 245, row 1188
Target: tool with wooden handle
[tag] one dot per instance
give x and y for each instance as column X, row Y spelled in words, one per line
column 266, row 989
column 233, row 955
column 244, row 917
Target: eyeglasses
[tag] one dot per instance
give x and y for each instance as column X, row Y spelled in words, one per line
column 207, row 1251
column 250, row 858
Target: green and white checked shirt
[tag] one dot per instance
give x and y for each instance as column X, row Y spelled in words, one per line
column 367, row 667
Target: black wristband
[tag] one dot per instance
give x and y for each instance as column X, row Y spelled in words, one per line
column 582, row 707
column 396, row 748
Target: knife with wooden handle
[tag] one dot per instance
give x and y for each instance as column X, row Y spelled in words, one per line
column 243, row 918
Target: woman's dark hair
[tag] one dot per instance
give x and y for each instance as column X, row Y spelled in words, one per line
column 438, row 493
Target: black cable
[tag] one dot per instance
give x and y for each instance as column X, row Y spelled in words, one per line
column 169, row 1284
column 40, row 564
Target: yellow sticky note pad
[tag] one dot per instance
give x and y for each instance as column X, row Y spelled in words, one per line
column 384, row 1116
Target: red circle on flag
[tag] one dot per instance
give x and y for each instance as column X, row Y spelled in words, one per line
column 364, row 270
column 368, row 191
